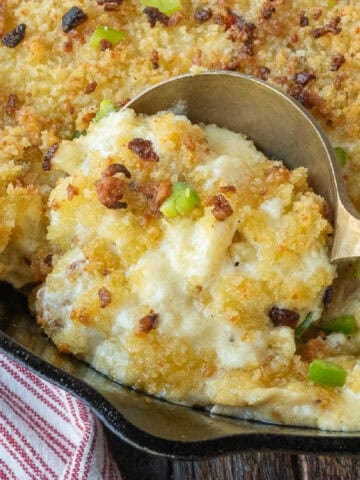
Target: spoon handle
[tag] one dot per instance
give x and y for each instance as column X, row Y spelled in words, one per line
column 346, row 245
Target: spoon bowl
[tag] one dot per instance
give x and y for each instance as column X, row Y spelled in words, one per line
column 279, row 126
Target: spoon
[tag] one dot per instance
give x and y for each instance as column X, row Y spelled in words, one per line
column 280, row 127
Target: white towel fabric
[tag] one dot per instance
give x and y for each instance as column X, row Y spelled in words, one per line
column 47, row 434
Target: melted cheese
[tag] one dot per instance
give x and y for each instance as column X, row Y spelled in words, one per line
column 209, row 283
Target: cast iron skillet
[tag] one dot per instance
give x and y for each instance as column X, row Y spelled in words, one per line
column 145, row 422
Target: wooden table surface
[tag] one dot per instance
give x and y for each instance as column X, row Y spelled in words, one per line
column 135, row 465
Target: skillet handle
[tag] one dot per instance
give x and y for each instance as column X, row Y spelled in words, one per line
column 346, row 245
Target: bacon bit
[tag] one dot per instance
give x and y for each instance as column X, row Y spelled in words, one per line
column 283, row 317
column 148, row 323
column 110, row 190
column 262, row 191
column 72, row 18
column 336, row 61
column 262, row 72
column 163, row 192
column 87, row 117
column 306, row 99
column 222, row 208
column 267, row 10
column 110, row 5
column 203, row 14
column 331, row 27
column 338, row 82
column 303, row 19
column 175, row 19
column 105, row 297
column 70, row 269
column 327, row 212
column 144, row 149
column 314, row 348
column 295, row 38
column 90, row 88
column 115, row 168
column 303, row 78
column 328, row 295
column 105, row 45
column 13, row 38
column 228, row 188
column 83, row 316
column 2, row 17
column 71, row 191
column 317, row 14
column 46, row 164
column 224, row 17
column 295, row 90
column 154, row 59
column 156, row 194
column 154, row 15
column 197, row 58
column 123, row 102
column 47, row 260
column 189, row 143
column 41, row 264
column 281, row 80
column 243, row 31
column 12, row 104
column 68, row 46
column 231, row 66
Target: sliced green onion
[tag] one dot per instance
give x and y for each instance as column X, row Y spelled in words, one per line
column 326, row 373
column 332, row 3
column 187, row 201
column 165, row 6
column 182, row 200
column 356, row 269
column 105, row 107
column 304, row 325
column 168, row 207
column 341, row 156
column 345, row 324
column 105, row 33
column 78, row 134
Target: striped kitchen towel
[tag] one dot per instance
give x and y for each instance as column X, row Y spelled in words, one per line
column 45, row 433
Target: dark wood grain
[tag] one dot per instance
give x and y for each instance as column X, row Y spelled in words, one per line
column 136, row 465
column 255, row 466
column 335, row 467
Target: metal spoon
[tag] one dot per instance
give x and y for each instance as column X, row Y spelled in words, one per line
column 279, row 126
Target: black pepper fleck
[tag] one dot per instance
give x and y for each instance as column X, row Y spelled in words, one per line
column 13, row 38
column 328, row 295
column 74, row 17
